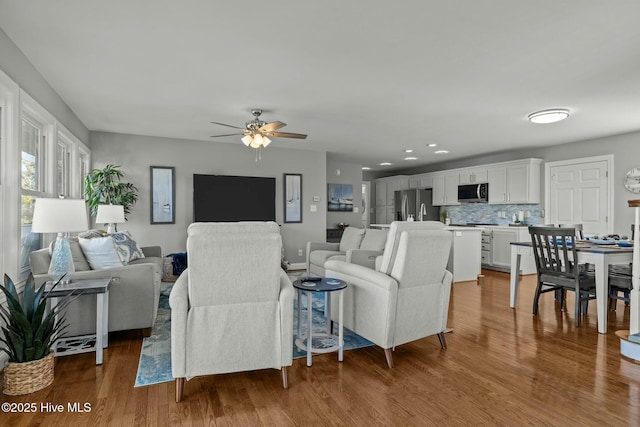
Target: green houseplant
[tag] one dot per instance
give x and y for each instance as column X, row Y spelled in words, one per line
column 29, row 331
column 103, row 187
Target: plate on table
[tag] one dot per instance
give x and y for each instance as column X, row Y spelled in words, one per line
column 624, row 244
column 333, row 282
column 603, row 241
column 308, row 284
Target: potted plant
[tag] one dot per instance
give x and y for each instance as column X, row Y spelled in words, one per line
column 29, row 331
column 103, row 187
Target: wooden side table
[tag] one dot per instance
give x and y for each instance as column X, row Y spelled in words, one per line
column 326, row 342
column 84, row 343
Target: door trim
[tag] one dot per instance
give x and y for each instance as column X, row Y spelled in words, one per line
column 610, row 174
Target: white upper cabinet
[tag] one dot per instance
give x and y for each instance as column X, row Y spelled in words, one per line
column 473, row 176
column 445, row 188
column 381, row 192
column 424, row 180
column 515, row 182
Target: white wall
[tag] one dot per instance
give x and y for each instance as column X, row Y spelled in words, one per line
column 137, row 153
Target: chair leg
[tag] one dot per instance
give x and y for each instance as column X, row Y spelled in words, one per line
column 179, row 389
column 578, row 306
column 388, row 354
column 285, row 380
column 443, row 342
column 536, row 297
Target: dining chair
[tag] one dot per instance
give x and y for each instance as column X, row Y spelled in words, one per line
column 620, row 281
column 557, row 271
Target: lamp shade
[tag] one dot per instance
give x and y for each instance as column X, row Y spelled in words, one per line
column 59, row 216
column 110, row 214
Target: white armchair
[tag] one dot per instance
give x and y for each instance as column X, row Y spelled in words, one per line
column 232, row 308
column 407, row 297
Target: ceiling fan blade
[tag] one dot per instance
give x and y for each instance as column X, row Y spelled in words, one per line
column 287, row 135
column 229, row 126
column 229, row 134
column 270, row 127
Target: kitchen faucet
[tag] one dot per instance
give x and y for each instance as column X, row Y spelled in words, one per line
column 423, row 211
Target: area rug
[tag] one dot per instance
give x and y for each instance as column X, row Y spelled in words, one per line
column 155, row 357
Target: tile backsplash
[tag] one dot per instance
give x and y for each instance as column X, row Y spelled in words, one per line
column 498, row 214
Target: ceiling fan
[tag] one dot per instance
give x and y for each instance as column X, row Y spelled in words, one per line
column 256, row 131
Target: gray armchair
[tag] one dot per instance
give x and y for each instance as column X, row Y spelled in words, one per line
column 232, row 308
column 407, row 297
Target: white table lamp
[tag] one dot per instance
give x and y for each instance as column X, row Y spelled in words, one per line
column 60, row 216
column 110, row 214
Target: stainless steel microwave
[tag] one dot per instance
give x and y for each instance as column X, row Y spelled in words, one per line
column 473, row 193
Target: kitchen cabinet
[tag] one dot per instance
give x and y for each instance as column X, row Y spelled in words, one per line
column 473, row 176
column 395, row 184
column 496, row 248
column 445, row 189
column 381, row 192
column 464, row 261
column 385, row 196
column 515, row 182
column 421, row 181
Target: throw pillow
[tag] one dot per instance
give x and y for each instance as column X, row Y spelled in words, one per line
column 127, row 248
column 79, row 261
column 374, row 240
column 90, row 234
column 351, row 238
column 100, row 252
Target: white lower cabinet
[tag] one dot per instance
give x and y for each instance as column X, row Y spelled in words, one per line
column 496, row 248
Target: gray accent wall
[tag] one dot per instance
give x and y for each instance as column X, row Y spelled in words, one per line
column 625, row 149
column 137, row 153
column 20, row 70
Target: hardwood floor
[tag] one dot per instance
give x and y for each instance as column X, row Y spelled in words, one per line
column 501, row 367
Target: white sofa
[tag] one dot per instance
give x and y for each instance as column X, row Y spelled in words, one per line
column 357, row 245
column 232, row 308
column 407, row 296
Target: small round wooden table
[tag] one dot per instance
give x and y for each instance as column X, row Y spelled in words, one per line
column 320, row 342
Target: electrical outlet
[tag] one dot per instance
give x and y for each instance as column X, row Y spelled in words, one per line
column 299, row 252
column 356, row 209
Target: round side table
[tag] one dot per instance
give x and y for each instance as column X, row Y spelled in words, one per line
column 320, row 342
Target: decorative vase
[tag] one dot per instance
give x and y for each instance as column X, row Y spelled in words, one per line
column 28, row 377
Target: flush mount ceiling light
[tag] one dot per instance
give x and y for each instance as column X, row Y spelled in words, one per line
column 441, row 152
column 432, row 145
column 411, row 158
column 366, row 168
column 548, row 116
column 385, row 164
column 408, row 150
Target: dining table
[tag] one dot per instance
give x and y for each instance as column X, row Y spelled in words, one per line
column 600, row 256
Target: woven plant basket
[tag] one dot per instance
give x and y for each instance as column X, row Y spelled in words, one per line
column 27, row 377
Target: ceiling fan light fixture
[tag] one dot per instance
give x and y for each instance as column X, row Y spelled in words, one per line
column 247, row 140
column 265, row 141
column 548, row 116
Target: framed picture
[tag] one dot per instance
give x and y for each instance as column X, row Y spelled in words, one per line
column 340, row 198
column 163, row 195
column 292, row 197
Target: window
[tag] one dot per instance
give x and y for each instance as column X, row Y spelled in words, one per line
column 63, row 165
column 84, row 162
column 32, row 178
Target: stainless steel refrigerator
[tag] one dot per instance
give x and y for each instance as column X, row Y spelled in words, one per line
column 415, row 202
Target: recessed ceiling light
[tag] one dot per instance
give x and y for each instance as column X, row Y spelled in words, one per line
column 441, row 152
column 411, row 158
column 432, row 145
column 549, row 116
column 366, row 168
column 408, row 150
column 385, row 164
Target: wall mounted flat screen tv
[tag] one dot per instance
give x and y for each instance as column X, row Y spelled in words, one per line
column 218, row 198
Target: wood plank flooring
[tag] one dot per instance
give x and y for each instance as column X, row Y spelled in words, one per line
column 501, row 367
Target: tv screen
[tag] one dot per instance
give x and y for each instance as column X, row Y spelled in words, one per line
column 233, row 198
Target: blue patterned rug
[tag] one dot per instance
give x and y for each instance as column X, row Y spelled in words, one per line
column 155, row 358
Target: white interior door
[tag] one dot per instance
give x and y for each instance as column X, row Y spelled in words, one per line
column 578, row 192
column 366, row 203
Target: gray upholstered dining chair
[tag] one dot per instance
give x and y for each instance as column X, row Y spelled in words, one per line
column 232, row 308
column 555, row 256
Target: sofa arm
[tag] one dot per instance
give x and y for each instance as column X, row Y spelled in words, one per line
column 152, row 251
column 365, row 258
column 179, row 303
column 320, row 246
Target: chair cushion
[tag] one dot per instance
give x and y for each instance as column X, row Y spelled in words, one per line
column 100, row 252
column 320, row 257
column 351, row 238
column 374, row 240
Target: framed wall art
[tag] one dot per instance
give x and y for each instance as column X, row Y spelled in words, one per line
column 163, row 195
column 340, row 198
column 292, row 197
